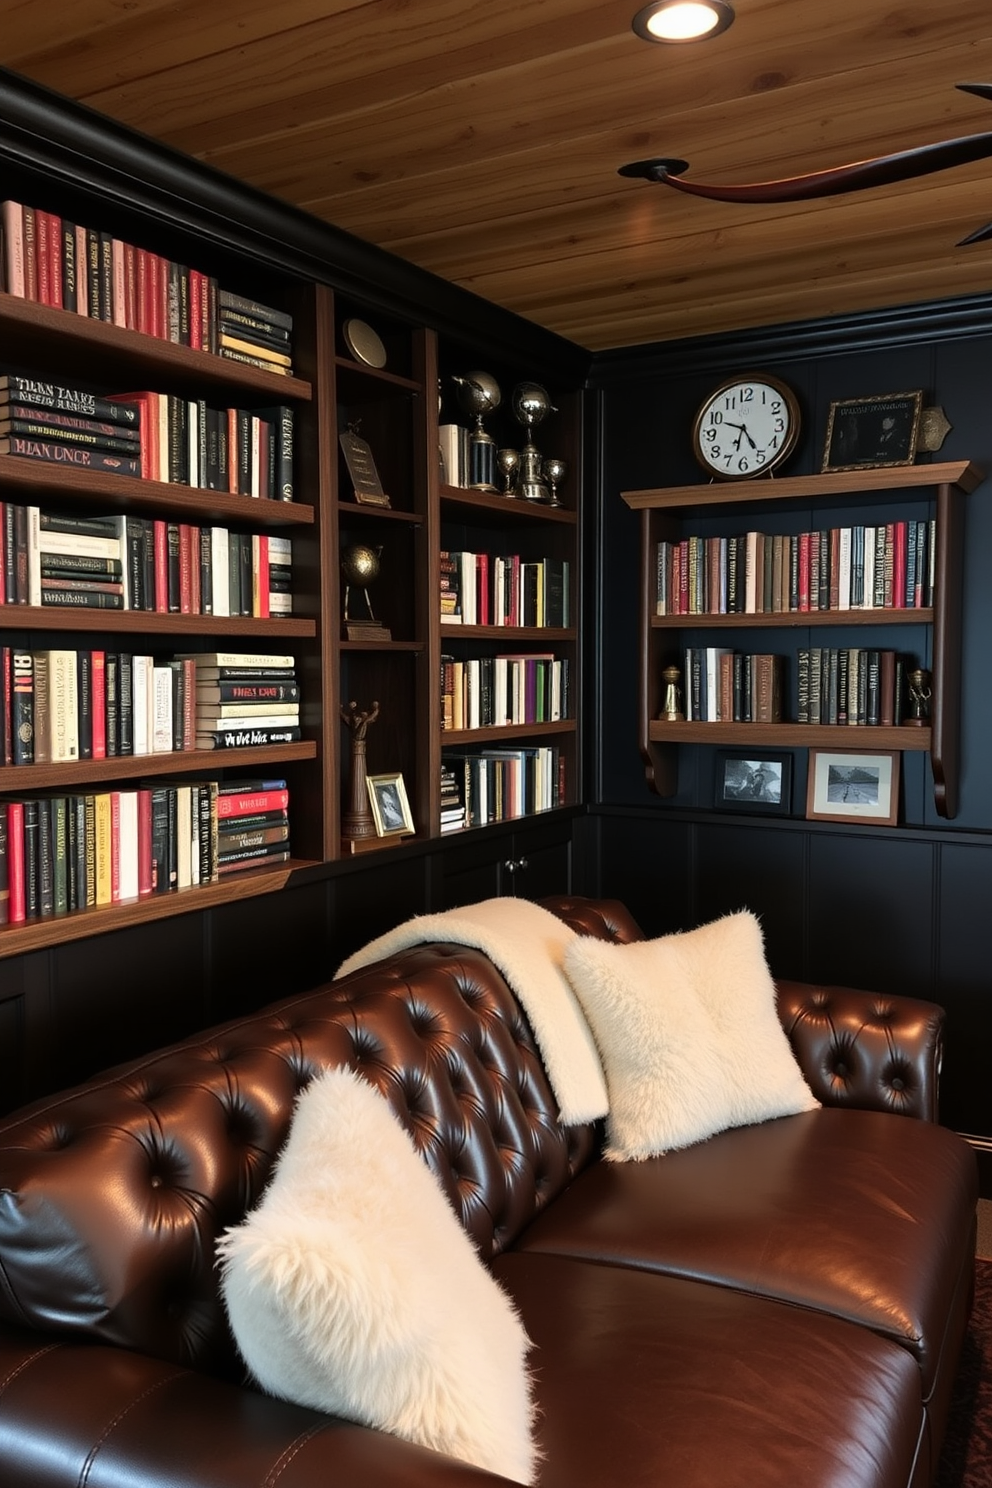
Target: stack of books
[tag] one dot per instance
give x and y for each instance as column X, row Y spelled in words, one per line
column 66, row 426
column 245, row 700
column 452, row 800
column 724, row 686
column 252, row 825
column 255, row 333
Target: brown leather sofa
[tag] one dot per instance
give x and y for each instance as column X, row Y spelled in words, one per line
column 782, row 1305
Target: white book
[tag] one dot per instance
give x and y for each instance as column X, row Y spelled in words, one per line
column 210, row 721
column 184, row 830
column 80, row 543
column 281, row 551
column 473, row 671
column 161, row 713
column 193, row 441
column 712, row 655
column 869, row 592
column 469, row 606
column 128, row 847
column 140, row 687
column 751, row 574
column 220, row 579
column 34, row 554
column 282, row 604
column 65, row 706
column 844, row 569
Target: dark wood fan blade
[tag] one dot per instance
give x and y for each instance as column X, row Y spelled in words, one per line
column 882, row 170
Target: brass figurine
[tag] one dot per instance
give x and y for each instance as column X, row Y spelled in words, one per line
column 671, row 709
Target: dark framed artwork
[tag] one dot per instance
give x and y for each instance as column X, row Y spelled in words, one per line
column 868, row 433
column 753, row 780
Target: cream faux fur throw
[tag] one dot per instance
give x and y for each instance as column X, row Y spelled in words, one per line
column 527, row 943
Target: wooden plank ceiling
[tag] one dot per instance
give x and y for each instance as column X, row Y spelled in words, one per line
column 481, row 140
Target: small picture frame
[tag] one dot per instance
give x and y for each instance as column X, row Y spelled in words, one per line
column 390, row 806
column 869, row 433
column 855, row 787
column 753, row 780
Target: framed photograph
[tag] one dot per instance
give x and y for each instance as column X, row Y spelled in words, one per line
column 390, row 807
column 867, row 433
column 853, row 787
column 753, row 780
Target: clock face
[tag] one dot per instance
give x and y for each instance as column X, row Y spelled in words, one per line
column 746, row 427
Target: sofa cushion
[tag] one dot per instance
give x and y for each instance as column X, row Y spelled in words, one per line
column 352, row 1288
column 657, row 1382
column 861, row 1214
column 688, row 1033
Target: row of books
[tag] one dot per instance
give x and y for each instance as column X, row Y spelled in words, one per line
column 724, row 686
column 57, row 262
column 157, row 436
column 496, row 691
column 86, row 850
column 860, row 686
column 502, row 589
column 888, row 566
column 141, row 563
column 61, row 704
column 498, row 784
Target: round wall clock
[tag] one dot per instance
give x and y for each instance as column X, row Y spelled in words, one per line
column 746, row 427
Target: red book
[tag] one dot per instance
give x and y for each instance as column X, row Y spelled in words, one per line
column 154, row 295
column 130, row 286
column 196, row 596
column 98, row 685
column 195, row 313
column 43, row 257
column 251, row 803
column 15, row 861
column 260, row 556
column 161, row 547
column 7, row 684
column 804, row 570
column 145, row 884
column 55, row 260
column 30, row 255
column 186, row 568
column 899, row 566
column 143, row 300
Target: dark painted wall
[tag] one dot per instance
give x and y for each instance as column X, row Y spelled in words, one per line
column 903, row 909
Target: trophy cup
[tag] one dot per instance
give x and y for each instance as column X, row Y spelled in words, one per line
column 555, row 472
column 508, row 464
column 531, row 405
column 360, row 567
column 479, row 394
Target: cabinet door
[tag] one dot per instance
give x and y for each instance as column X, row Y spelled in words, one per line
column 528, row 863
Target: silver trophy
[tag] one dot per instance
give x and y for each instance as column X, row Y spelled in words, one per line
column 479, row 395
column 531, row 405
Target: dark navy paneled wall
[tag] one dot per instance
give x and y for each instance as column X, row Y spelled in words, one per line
column 898, row 909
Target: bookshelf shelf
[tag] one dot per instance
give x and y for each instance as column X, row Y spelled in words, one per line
column 75, row 345
column 38, row 483
column 509, row 733
column 144, row 622
column 38, row 935
column 667, row 511
column 17, row 779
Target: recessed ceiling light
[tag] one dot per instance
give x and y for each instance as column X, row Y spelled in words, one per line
column 682, row 20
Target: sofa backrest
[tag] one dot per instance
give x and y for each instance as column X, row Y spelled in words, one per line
column 112, row 1195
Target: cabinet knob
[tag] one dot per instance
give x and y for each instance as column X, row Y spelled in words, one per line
column 514, row 865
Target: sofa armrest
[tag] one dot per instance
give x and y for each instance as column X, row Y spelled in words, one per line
column 868, row 1050
column 74, row 1413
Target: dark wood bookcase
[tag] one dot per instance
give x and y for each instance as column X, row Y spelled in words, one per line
column 254, row 246
column 670, row 513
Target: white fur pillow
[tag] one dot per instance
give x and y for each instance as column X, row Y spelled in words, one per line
column 688, row 1034
column 353, row 1288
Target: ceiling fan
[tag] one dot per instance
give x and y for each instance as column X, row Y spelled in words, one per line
column 904, row 165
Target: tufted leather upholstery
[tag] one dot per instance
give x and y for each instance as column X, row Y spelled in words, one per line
column 654, row 1291
column 866, row 1050
column 112, row 1198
